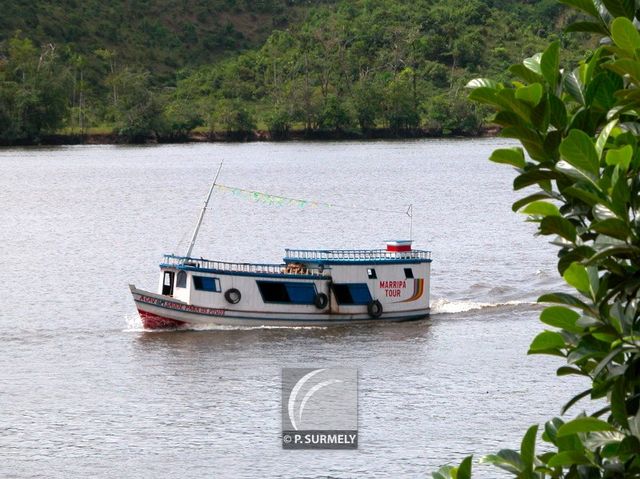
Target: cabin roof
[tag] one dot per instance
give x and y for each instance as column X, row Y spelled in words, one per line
column 301, row 262
column 356, row 256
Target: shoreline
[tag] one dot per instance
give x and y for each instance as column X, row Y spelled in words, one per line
column 64, row 139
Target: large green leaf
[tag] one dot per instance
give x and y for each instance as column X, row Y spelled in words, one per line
column 576, row 275
column 585, row 192
column 506, row 459
column 541, row 114
column 625, row 35
column 528, row 448
column 625, row 66
column 551, row 429
column 579, row 151
column 604, row 362
column 620, row 193
column 561, row 317
column 620, row 157
column 546, row 340
column 525, row 74
column 592, row 65
column 501, row 99
column 587, row 6
column 509, row 156
column 508, row 101
column 587, row 27
column 583, row 425
column 567, row 458
column 566, row 443
column 600, row 92
column 528, row 199
column 532, row 177
column 559, row 226
column 550, row 63
column 445, row 472
column 533, row 63
column 603, row 137
column 567, row 370
column 577, row 174
column 464, row 471
column 483, row 83
column 619, row 405
column 573, row 86
column 530, row 139
column 579, row 254
column 602, row 212
column 617, row 251
column 541, row 208
column 564, row 298
column 612, row 227
column 621, row 8
column 486, row 95
column 574, row 400
column 557, row 113
column 532, row 94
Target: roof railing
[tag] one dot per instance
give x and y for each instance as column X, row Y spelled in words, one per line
column 355, row 254
column 258, row 268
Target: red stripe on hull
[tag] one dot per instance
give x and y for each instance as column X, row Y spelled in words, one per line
column 153, row 321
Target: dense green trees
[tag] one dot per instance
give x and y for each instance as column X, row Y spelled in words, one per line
column 158, row 35
column 580, row 129
column 385, row 67
column 33, row 84
column 375, row 64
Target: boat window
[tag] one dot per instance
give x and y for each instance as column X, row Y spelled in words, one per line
column 167, row 283
column 181, row 281
column 301, row 293
column 371, row 272
column 355, row 293
column 206, row 283
column 287, row 292
column 408, row 273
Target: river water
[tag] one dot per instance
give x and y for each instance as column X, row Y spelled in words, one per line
column 84, row 391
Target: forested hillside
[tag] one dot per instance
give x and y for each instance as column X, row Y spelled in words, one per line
column 159, row 35
column 158, row 69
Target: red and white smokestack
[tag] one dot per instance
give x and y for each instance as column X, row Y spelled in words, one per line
column 399, row 246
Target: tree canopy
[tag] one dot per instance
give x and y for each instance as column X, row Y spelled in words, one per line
column 338, row 67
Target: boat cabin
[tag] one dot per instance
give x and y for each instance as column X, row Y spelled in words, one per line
column 394, row 279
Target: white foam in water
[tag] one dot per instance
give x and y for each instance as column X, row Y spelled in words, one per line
column 444, row 306
column 438, row 306
column 228, row 327
column 133, row 322
column 134, row 325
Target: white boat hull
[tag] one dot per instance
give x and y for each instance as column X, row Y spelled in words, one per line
column 164, row 312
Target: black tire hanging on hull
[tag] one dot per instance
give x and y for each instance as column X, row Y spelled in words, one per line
column 374, row 308
column 321, row 300
column 233, row 296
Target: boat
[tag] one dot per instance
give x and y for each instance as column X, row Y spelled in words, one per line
column 308, row 288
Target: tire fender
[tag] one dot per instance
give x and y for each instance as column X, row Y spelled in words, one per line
column 233, row 296
column 374, row 308
column 321, row 300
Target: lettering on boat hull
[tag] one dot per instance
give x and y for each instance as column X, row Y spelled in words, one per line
column 181, row 307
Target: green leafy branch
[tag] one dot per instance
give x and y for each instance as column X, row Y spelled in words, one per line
column 580, row 165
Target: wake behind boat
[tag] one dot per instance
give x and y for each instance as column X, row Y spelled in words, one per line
column 310, row 287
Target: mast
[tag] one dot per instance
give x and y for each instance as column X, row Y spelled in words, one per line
column 204, row 209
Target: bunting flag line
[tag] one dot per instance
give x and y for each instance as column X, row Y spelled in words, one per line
column 275, row 200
